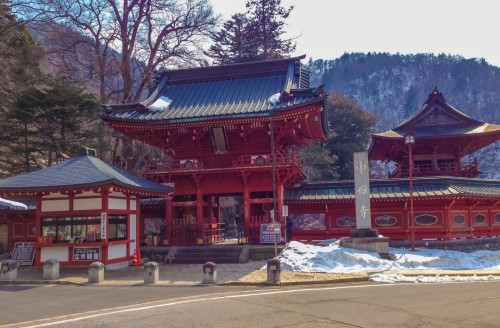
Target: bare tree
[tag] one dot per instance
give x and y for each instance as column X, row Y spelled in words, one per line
column 121, row 43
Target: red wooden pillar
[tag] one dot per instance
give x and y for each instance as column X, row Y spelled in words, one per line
column 199, row 206
column 217, row 209
column 104, row 212
column 168, row 210
column 447, row 220
column 246, row 205
column 38, row 224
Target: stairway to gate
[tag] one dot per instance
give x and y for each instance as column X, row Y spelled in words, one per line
column 201, row 254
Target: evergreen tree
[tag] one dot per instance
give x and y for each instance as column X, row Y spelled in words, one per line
column 350, row 131
column 352, row 127
column 43, row 122
column 254, row 35
column 320, row 164
column 267, row 28
column 232, row 43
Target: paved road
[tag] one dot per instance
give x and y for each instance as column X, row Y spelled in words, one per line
column 341, row 305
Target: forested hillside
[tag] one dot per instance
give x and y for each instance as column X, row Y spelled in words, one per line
column 394, row 86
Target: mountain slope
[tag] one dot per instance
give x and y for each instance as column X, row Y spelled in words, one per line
column 394, row 86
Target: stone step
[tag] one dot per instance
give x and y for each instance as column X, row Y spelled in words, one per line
column 187, row 255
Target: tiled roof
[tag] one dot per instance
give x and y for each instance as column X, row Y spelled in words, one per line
column 454, row 122
column 396, row 188
column 218, row 91
column 82, row 171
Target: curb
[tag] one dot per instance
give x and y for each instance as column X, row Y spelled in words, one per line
column 116, row 283
column 295, row 283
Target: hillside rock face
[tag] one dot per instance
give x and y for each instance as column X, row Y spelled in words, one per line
column 394, row 86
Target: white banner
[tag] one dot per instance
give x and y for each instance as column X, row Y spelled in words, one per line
column 103, row 225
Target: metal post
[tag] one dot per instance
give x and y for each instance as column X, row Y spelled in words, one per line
column 273, row 160
column 412, row 221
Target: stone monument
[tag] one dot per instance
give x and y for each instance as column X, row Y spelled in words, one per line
column 364, row 237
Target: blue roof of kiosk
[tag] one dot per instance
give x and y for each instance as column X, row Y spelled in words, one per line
column 79, row 172
column 214, row 92
column 396, row 189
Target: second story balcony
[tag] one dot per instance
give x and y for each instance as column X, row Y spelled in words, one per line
column 261, row 162
column 425, row 168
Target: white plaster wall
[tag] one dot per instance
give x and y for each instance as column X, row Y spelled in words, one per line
column 55, row 205
column 117, row 251
column 117, row 194
column 56, row 253
column 55, row 195
column 89, row 194
column 117, row 204
column 133, row 232
column 87, row 204
column 133, row 203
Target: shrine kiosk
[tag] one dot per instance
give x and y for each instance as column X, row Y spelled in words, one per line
column 86, row 210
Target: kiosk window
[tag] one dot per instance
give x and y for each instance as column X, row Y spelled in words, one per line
column 117, row 227
column 75, row 229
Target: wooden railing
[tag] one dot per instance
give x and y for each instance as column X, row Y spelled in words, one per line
column 468, row 170
column 171, row 165
column 195, row 234
column 254, row 161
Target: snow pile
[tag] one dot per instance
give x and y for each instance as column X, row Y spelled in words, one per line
column 332, row 258
column 160, row 104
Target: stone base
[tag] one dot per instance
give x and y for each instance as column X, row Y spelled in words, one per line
column 369, row 244
column 116, row 266
column 364, row 233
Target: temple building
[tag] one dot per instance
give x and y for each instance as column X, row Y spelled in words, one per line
column 448, row 200
column 226, row 131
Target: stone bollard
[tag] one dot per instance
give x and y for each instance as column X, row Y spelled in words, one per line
column 96, row 272
column 151, row 273
column 209, row 273
column 8, row 270
column 51, row 269
column 273, row 271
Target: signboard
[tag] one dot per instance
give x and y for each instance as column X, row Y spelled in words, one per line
column 86, row 253
column 270, row 231
column 312, row 221
column 362, row 190
column 285, row 210
column 24, row 253
column 274, row 228
column 103, row 226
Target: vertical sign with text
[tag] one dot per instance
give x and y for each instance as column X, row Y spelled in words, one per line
column 103, row 225
column 362, row 190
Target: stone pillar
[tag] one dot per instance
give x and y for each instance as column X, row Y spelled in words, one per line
column 151, row 273
column 8, row 270
column 51, row 269
column 273, row 271
column 209, row 273
column 96, row 272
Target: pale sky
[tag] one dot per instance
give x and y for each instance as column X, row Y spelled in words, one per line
column 325, row 29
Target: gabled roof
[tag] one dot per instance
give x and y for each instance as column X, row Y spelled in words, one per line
column 387, row 189
column 437, row 118
column 435, row 123
column 79, row 172
column 215, row 92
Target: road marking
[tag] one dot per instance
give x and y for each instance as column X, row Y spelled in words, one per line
column 118, row 310
column 143, row 306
